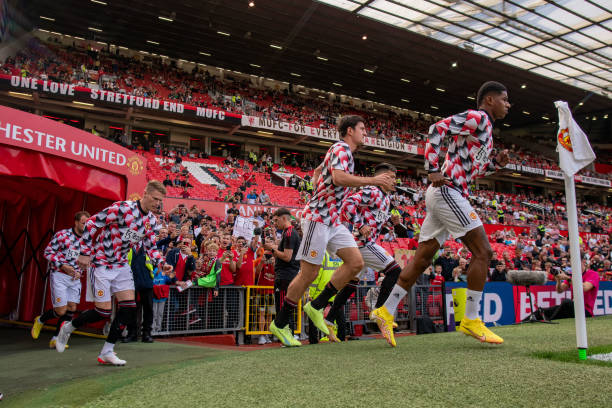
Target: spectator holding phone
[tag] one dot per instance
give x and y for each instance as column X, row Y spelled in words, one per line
column 182, row 261
column 245, row 268
column 228, row 258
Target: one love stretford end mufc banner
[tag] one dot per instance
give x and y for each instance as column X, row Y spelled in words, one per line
column 107, row 98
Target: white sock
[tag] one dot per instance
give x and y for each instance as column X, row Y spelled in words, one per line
column 396, row 296
column 107, row 348
column 471, row 303
column 68, row 326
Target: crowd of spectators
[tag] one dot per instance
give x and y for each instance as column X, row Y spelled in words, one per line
column 195, row 243
column 155, row 77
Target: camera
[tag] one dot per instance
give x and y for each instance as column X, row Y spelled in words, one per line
column 228, row 248
column 268, row 256
column 257, row 231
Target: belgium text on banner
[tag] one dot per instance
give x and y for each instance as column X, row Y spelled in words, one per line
column 325, row 134
column 103, row 97
column 572, row 144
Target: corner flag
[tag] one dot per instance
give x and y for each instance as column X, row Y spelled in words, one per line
column 572, row 144
column 574, row 153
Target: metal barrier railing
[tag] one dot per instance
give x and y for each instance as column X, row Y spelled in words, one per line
column 197, row 310
column 428, row 303
column 260, row 310
column 251, row 309
column 358, row 307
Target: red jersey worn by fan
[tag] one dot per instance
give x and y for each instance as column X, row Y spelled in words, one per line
column 266, row 275
column 245, row 275
column 321, row 218
column 468, row 157
column 227, row 277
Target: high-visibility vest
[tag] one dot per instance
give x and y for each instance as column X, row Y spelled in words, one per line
column 148, row 263
column 416, row 227
column 500, row 213
column 541, row 228
column 308, row 186
column 328, row 267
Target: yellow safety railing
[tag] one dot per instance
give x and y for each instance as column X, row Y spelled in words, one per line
column 260, row 311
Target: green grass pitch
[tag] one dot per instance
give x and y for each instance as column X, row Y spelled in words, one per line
column 534, row 368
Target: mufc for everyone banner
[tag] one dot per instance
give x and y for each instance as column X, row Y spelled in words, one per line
column 102, row 97
column 593, row 180
column 325, row 134
column 580, row 178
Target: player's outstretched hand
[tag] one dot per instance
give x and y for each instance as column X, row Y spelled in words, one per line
column 502, row 158
column 385, row 180
column 436, row 179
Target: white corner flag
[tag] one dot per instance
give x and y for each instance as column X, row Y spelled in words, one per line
column 572, row 144
column 574, row 153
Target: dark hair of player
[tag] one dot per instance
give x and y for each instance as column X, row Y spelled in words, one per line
column 487, row 88
column 349, row 121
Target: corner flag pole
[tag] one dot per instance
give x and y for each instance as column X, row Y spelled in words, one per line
column 572, row 226
column 574, row 153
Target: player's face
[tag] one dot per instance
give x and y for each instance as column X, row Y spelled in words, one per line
column 152, row 201
column 79, row 225
column 357, row 133
column 392, row 174
column 500, row 105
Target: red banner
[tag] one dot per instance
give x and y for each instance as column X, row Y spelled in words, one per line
column 34, row 133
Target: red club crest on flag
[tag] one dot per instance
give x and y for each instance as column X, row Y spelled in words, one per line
column 564, row 139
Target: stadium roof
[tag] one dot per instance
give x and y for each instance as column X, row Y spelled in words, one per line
column 565, row 40
column 415, row 66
